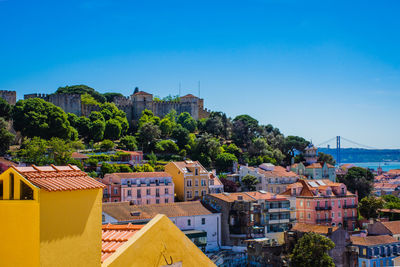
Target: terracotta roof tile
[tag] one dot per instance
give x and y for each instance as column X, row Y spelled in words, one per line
column 319, row 229
column 232, row 197
column 134, row 153
column 373, row 240
column 122, row 211
column 278, row 171
column 393, row 227
column 142, row 93
column 266, row 196
column 59, row 178
column 183, row 165
column 77, row 155
column 114, row 236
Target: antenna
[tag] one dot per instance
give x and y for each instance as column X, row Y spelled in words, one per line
column 199, row 88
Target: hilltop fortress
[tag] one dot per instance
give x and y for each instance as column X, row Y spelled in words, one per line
column 132, row 105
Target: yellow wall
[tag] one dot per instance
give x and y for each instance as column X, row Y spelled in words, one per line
column 70, row 229
column 159, row 238
column 19, row 226
column 178, row 179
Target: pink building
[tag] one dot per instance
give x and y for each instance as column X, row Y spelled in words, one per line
column 132, row 157
column 323, row 202
column 139, row 187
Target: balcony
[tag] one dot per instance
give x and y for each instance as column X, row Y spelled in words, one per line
column 327, row 220
column 278, row 221
column 323, row 208
column 354, row 206
column 350, row 218
column 279, row 210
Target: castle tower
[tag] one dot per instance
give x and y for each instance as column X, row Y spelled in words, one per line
column 311, row 154
column 141, row 101
column 50, row 216
column 9, row 96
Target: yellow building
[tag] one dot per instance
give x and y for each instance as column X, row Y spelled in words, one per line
column 50, row 216
column 190, row 179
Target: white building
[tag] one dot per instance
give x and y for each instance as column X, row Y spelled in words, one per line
column 202, row 226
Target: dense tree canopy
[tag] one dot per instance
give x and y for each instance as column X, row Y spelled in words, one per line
column 249, row 182
column 81, row 89
column 358, row 179
column 368, row 206
column 326, row 158
column 6, row 137
column 312, row 250
column 36, row 117
column 224, row 162
column 5, row 109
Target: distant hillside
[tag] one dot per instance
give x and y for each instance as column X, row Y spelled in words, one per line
column 363, row 155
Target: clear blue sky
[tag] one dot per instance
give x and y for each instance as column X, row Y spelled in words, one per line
column 311, row 68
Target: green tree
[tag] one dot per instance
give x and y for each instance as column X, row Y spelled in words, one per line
column 224, row 162
column 250, row 182
column 34, row 151
column 5, row 109
column 107, row 168
column 326, row 158
column 219, row 125
column 143, row 168
column 110, row 96
column 358, row 179
column 181, row 136
column 82, row 124
column 124, row 168
column 107, row 145
column 293, row 143
column 72, row 118
column 81, row 89
column 166, row 126
column 187, row 122
column 259, row 147
column 128, row 142
column 59, row 151
column 148, row 135
column 206, row 147
column 136, row 90
column 245, row 129
column 312, row 250
column 97, row 130
column 6, row 138
column 233, row 149
column 96, row 115
column 36, row 117
column 167, row 147
column 368, row 206
column 113, row 129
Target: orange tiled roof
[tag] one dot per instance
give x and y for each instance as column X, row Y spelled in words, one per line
column 393, row 227
column 142, row 93
column 58, row 178
column 122, row 211
column 385, row 185
column 114, row 236
column 77, row 155
column 373, row 240
column 232, row 197
column 278, row 171
column 265, row 195
column 394, row 172
column 182, row 165
column 134, row 153
column 319, row 229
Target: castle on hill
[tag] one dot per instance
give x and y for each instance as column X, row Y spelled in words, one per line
column 132, row 105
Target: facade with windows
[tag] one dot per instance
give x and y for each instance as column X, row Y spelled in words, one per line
column 190, row 178
column 376, row 251
column 200, row 224
column 324, row 202
column 139, row 188
column 272, row 179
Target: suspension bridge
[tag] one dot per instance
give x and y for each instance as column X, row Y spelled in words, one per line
column 338, row 140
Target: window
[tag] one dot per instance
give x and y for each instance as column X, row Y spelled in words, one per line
column 196, row 182
column 345, row 203
column 318, row 216
column 352, row 213
column 317, row 204
column 129, row 193
column 189, row 183
column 326, row 215
column 26, row 193
column 278, row 190
column 105, row 189
column 308, row 204
column 148, row 192
column 188, row 194
column 189, row 222
column 272, row 190
column 196, row 193
column 333, row 215
column 301, row 215
column 294, row 191
column 139, row 193
column 203, row 220
column 203, row 182
column 326, row 204
column 115, row 191
column 196, row 171
column 203, row 193
column 147, row 201
column 309, row 216
column 333, row 203
column 11, row 186
column 345, row 213
column 339, row 214
column 166, row 200
column 157, row 201
column 338, row 203
column 352, row 201
column 166, row 191
column 158, row 192
column 342, row 190
column 301, row 203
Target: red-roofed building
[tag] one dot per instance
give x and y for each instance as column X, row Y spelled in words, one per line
column 132, row 157
column 323, row 202
column 139, row 187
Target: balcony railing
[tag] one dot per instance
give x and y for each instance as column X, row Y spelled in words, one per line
column 327, row 220
column 353, row 206
column 323, row 208
column 350, row 218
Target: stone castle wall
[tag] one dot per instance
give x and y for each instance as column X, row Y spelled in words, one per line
column 70, row 103
column 9, row 96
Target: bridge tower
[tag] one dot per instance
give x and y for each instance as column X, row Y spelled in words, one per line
column 338, row 150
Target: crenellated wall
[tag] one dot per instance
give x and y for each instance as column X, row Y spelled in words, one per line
column 70, row 103
column 9, row 96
